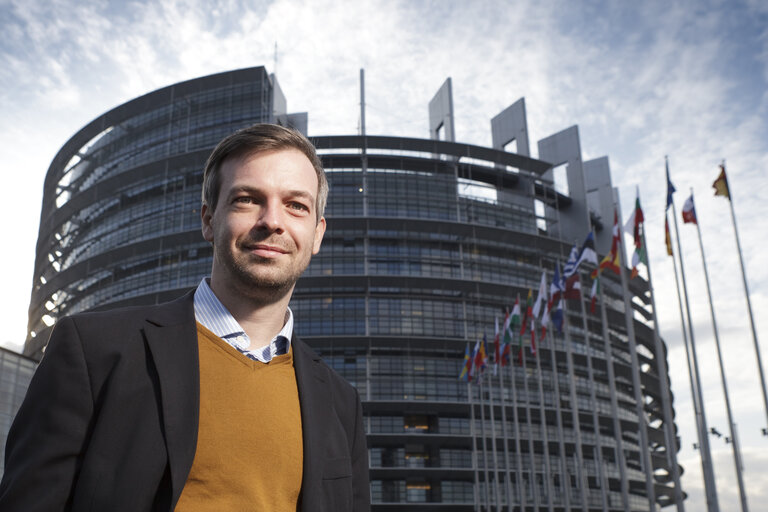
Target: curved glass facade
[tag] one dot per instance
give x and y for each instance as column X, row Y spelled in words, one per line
column 120, row 220
column 428, row 242
column 421, row 255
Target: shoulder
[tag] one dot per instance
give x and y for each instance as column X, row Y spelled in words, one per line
column 104, row 331
column 341, row 389
column 173, row 311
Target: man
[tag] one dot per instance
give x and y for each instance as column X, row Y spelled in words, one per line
column 209, row 402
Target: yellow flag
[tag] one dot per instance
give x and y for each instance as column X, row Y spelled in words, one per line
column 721, row 184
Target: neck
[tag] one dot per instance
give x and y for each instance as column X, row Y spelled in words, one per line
column 261, row 314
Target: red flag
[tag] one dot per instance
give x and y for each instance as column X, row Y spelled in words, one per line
column 611, row 259
column 689, row 211
column 615, row 240
column 635, row 224
column 481, row 359
column 611, row 262
column 667, row 238
column 506, row 352
column 572, row 287
column 496, row 342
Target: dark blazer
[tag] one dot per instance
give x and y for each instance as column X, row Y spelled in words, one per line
column 110, row 419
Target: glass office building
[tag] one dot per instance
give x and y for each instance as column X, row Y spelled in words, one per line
column 429, row 241
column 15, row 373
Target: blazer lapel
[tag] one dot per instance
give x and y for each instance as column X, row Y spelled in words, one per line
column 171, row 334
column 315, row 413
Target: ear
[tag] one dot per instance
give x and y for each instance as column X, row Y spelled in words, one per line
column 319, row 232
column 206, row 218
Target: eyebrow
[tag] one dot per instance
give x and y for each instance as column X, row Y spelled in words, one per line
column 252, row 190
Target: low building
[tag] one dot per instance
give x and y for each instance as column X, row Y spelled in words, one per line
column 16, row 371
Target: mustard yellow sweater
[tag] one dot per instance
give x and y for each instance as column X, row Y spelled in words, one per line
column 249, row 444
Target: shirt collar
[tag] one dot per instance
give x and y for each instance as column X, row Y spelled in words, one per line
column 210, row 312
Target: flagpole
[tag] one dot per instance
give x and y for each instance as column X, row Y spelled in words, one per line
column 734, row 441
column 575, row 419
column 749, row 305
column 666, row 398
column 565, row 483
column 691, row 376
column 645, row 454
column 474, row 441
column 565, row 480
column 706, row 454
column 575, row 410
column 572, row 385
column 518, row 455
column 493, row 448
column 542, row 295
column 503, row 399
column 531, row 451
column 487, row 493
column 505, row 433
column 617, row 431
column 543, row 422
column 592, row 395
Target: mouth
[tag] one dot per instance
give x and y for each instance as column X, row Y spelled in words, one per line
column 266, row 250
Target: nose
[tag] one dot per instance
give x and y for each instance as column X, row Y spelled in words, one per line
column 271, row 217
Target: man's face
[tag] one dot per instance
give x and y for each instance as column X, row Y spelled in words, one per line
column 264, row 229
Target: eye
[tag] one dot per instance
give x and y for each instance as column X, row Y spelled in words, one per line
column 243, row 200
column 293, row 205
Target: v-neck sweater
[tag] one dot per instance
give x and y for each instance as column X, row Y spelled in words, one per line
column 249, row 445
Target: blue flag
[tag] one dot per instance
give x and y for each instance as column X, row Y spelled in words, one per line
column 570, row 266
column 670, row 188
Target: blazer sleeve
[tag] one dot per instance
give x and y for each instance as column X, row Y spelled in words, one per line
column 361, row 487
column 49, row 433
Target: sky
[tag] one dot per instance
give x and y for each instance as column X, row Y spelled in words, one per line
column 687, row 79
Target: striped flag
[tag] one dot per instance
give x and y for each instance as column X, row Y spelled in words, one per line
column 635, row 226
column 541, row 298
column 587, row 252
column 545, row 322
column 689, row 211
column 465, row 369
column 481, row 358
column 528, row 312
column 611, row 260
column 472, row 366
column 570, row 266
column 496, row 346
column 555, row 304
column 505, row 354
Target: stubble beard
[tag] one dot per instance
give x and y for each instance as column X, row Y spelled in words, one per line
column 261, row 280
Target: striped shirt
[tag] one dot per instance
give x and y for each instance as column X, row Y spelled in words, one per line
column 210, row 312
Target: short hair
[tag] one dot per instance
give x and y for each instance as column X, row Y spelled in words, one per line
column 256, row 139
